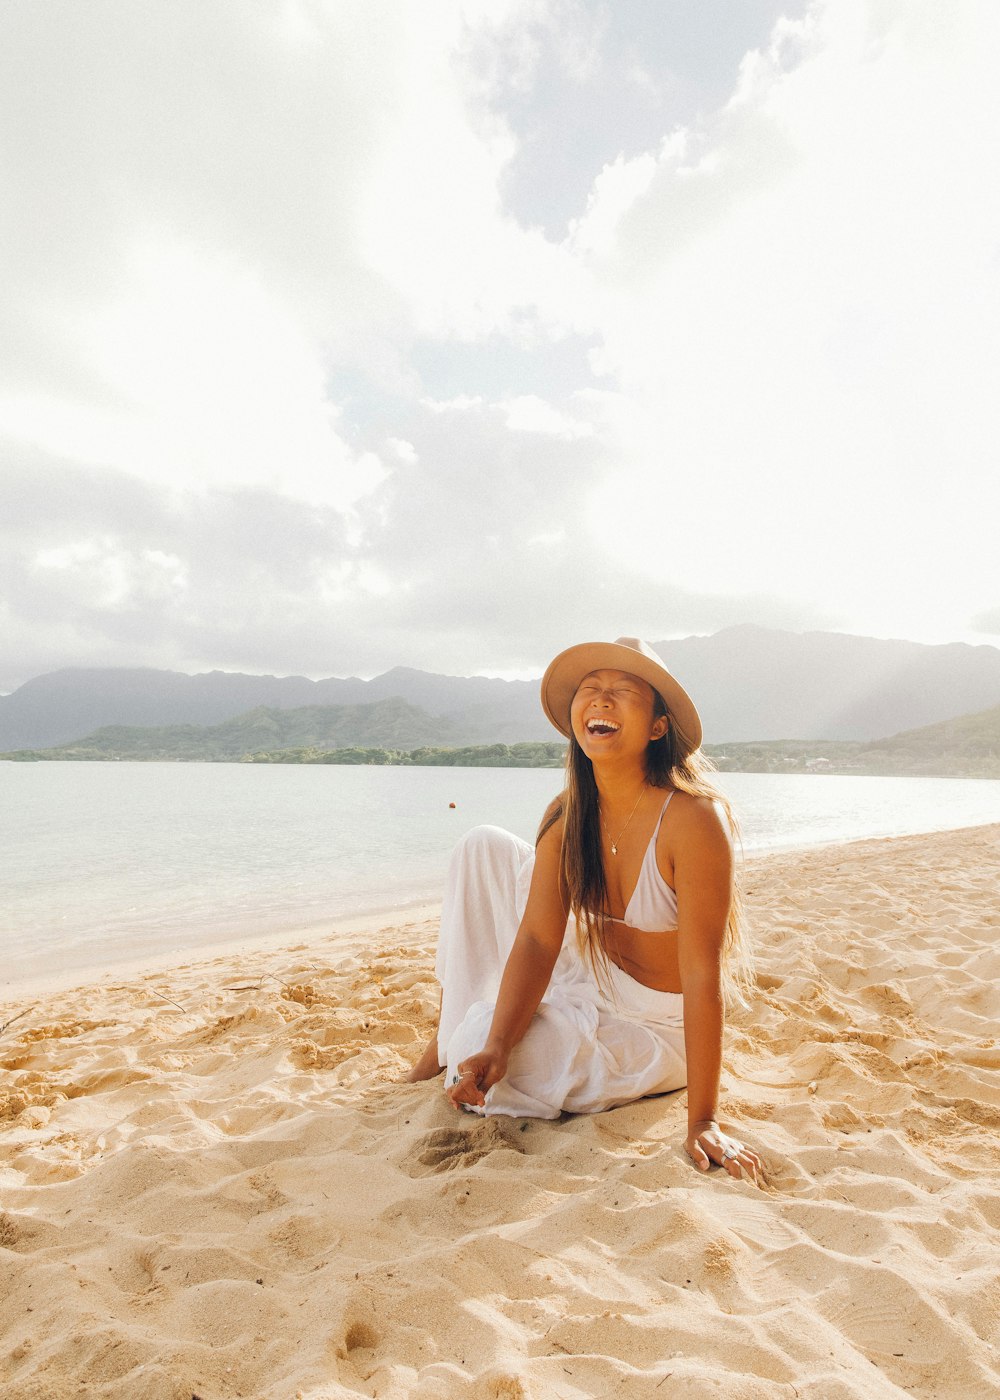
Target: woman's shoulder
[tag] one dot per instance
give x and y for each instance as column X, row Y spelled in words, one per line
column 694, row 817
column 550, row 828
column 554, row 810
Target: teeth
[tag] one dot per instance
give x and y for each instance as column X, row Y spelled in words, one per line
column 602, row 725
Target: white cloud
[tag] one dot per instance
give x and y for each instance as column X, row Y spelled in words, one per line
column 265, row 266
column 405, row 451
column 254, row 212
column 801, row 308
column 106, row 573
column 584, row 414
column 217, row 382
column 614, row 192
column 530, row 414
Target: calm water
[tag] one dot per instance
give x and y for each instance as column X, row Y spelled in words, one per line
column 107, row 860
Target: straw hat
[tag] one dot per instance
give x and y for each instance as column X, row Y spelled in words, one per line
column 561, row 680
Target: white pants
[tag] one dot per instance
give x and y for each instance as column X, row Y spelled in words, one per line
column 587, row 1048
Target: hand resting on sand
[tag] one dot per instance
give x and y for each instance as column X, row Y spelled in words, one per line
column 707, row 1143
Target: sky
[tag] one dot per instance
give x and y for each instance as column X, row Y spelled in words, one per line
column 336, row 336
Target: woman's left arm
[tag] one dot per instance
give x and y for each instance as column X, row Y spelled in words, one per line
column 703, row 878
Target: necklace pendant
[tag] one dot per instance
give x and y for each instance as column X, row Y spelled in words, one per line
column 611, row 842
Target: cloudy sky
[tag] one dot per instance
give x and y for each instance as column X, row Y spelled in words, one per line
column 340, row 334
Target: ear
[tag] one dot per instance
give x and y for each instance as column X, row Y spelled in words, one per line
column 660, row 726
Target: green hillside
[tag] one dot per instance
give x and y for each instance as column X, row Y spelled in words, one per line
column 394, row 731
column 385, row 723
column 966, row 747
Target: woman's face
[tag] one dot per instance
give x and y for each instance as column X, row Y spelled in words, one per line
column 612, row 713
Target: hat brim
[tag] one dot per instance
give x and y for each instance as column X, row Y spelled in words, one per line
column 562, row 680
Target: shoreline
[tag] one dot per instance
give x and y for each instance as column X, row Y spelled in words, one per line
column 309, row 936
column 318, row 937
column 786, row 769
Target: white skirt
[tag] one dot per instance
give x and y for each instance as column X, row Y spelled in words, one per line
column 587, row 1048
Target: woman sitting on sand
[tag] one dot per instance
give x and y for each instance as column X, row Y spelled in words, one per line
column 593, row 970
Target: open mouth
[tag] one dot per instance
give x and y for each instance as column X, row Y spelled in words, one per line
column 602, row 726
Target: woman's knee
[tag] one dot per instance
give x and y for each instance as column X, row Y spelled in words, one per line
column 490, row 846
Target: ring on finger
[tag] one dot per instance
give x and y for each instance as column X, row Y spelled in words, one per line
column 731, row 1152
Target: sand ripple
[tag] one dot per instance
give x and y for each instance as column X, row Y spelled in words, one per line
column 212, row 1186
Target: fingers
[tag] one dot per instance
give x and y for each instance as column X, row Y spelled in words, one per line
column 737, row 1160
column 699, row 1156
column 464, row 1088
column 471, row 1080
column 750, row 1162
column 474, row 1077
column 491, row 1075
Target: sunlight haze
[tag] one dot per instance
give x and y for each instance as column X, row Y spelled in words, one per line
column 337, row 337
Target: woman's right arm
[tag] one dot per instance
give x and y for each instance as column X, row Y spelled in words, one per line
column 526, row 975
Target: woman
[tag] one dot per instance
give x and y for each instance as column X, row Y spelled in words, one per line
column 594, row 969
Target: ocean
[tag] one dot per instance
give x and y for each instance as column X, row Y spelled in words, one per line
column 104, row 862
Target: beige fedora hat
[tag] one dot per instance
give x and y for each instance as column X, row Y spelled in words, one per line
column 561, row 680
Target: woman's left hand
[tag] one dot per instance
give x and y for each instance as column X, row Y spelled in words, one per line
column 707, row 1143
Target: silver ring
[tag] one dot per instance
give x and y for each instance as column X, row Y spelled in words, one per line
column 731, row 1152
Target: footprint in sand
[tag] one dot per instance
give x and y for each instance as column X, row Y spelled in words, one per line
column 9, row 1233
column 357, row 1346
column 445, row 1149
column 22, row 1236
column 359, row 1335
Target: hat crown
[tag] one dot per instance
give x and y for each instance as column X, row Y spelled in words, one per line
column 637, row 644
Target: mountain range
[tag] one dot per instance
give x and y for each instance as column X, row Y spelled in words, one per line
column 750, row 683
column 392, row 723
column 391, row 731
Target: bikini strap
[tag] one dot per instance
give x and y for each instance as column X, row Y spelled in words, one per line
column 662, row 810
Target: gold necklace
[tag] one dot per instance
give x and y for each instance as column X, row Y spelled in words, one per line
column 614, row 844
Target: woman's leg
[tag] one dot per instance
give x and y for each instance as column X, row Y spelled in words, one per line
column 485, row 894
column 427, row 1066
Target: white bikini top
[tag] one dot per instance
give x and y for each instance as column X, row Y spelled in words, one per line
column 653, row 906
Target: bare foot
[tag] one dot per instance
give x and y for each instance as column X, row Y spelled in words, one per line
column 427, row 1066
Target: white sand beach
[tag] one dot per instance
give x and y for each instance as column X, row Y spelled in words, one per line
column 211, row 1186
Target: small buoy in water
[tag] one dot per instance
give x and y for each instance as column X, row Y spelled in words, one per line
column 451, row 804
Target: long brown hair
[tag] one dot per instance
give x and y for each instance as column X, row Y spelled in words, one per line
column 581, row 862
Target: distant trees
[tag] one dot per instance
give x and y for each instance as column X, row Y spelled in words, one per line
column 526, row 755
column 967, row 747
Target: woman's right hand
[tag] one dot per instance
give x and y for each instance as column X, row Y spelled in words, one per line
column 475, row 1076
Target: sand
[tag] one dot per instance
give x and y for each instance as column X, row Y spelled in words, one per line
column 211, row 1186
